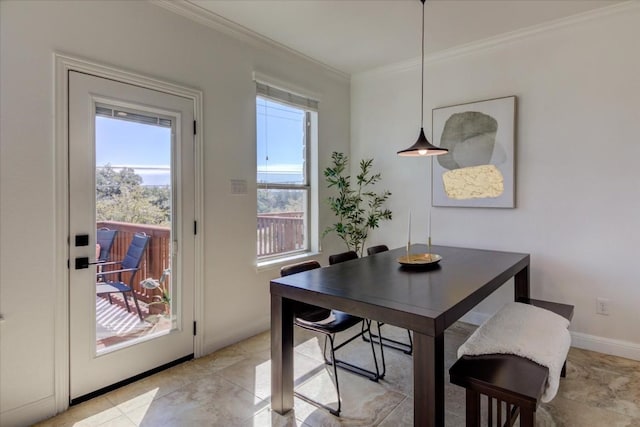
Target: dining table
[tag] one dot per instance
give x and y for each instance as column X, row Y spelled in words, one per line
column 424, row 298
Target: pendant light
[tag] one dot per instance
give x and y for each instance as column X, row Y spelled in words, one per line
column 422, row 146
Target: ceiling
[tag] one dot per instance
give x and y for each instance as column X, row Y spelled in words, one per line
column 353, row 36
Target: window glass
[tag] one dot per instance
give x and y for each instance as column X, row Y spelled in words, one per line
column 283, row 185
column 281, row 143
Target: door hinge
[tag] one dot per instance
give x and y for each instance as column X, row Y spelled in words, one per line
column 195, row 228
column 195, row 127
column 194, row 328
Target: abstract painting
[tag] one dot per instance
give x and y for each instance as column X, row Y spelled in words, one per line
column 478, row 170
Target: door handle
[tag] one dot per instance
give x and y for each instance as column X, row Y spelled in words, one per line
column 83, row 262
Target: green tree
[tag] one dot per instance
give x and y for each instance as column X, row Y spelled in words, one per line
column 120, row 196
column 110, row 182
column 358, row 209
column 159, row 196
column 273, row 201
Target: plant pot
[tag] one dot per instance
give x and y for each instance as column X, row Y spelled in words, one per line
column 162, row 309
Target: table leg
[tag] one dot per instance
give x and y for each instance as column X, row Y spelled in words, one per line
column 521, row 284
column 281, row 354
column 428, row 380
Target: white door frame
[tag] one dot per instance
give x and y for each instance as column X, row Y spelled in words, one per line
column 63, row 64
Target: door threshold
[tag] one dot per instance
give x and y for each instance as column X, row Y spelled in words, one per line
column 130, row 380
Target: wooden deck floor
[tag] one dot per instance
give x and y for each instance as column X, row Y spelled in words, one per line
column 114, row 325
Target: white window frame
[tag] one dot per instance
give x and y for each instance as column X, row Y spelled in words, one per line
column 277, row 91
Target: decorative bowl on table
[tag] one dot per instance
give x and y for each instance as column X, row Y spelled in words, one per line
column 419, row 259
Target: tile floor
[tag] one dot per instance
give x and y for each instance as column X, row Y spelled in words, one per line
column 231, row 388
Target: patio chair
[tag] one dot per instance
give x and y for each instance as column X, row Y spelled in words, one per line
column 329, row 323
column 130, row 264
column 388, row 342
column 105, row 238
column 104, row 242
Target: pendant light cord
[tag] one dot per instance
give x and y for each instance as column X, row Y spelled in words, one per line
column 422, row 73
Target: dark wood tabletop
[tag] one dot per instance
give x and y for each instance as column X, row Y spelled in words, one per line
column 424, row 300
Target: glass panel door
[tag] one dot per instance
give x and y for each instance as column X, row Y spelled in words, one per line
column 131, row 213
column 133, row 198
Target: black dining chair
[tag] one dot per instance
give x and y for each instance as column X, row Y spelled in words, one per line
column 366, row 324
column 372, row 250
column 342, row 257
column 388, row 342
column 329, row 322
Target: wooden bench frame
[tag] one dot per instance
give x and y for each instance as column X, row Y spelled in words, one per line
column 513, row 380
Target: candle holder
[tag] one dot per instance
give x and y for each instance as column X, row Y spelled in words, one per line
column 419, row 259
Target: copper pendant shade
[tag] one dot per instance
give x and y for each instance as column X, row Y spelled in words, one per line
column 422, row 147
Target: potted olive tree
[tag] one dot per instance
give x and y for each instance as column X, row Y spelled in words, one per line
column 357, row 207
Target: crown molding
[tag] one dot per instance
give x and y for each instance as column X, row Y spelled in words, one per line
column 499, row 40
column 223, row 25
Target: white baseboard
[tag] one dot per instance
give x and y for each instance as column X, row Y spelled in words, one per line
column 232, row 336
column 29, row 414
column 627, row 349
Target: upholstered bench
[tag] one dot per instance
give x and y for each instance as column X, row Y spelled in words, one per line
column 513, row 382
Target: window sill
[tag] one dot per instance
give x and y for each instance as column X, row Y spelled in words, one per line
column 276, row 263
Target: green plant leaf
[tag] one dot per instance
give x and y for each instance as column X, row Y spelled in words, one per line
column 359, row 208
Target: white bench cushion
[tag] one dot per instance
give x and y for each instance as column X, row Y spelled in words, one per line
column 526, row 331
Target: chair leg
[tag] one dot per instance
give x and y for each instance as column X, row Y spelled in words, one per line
column 384, row 363
column 135, row 300
column 373, row 376
column 527, row 417
column 324, row 350
column 126, row 302
column 337, row 363
column 373, row 351
column 335, row 412
column 391, row 343
column 472, row 404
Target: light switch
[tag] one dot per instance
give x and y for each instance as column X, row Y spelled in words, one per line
column 238, row 186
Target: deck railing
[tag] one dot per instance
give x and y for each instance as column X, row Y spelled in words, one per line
column 280, row 233
column 277, row 233
column 156, row 258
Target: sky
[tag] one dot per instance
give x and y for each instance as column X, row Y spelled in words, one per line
column 280, row 142
column 280, row 138
column 121, row 142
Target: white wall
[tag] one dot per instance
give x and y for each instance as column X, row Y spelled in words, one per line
column 578, row 146
column 146, row 39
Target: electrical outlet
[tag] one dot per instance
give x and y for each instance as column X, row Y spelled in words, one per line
column 602, row 306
